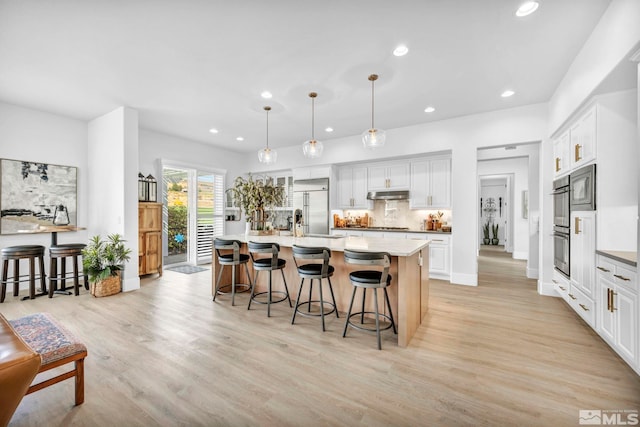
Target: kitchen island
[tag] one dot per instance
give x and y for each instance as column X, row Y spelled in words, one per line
column 408, row 293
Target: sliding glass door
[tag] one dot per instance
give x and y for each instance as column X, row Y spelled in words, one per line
column 194, row 206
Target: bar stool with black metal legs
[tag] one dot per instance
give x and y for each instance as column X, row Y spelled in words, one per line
column 61, row 252
column 314, row 271
column 15, row 254
column 233, row 259
column 369, row 279
column 267, row 264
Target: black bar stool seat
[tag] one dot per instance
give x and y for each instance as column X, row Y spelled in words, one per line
column 15, row 254
column 233, row 259
column 267, row 264
column 314, row 271
column 369, row 279
column 62, row 251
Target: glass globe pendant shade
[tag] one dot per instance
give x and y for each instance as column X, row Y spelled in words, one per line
column 267, row 155
column 312, row 148
column 373, row 138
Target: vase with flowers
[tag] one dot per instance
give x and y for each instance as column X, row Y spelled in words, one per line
column 255, row 197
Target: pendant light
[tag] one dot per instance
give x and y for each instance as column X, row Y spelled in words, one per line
column 312, row 148
column 373, row 138
column 267, row 155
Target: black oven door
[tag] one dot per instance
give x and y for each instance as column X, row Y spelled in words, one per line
column 561, row 251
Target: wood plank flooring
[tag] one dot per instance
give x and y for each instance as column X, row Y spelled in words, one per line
column 496, row 354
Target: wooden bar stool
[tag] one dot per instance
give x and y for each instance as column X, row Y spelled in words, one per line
column 233, row 259
column 369, row 279
column 267, row 264
column 314, row 271
column 61, row 252
column 15, row 254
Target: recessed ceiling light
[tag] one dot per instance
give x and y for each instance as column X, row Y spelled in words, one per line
column 527, row 8
column 507, row 93
column 239, row 138
column 266, row 94
column 401, row 50
column 429, row 109
column 328, row 129
column 213, row 130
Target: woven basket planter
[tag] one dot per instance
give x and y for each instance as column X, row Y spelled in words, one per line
column 109, row 286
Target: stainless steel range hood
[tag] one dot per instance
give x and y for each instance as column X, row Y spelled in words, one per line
column 388, row 195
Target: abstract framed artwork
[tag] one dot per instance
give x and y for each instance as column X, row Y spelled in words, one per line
column 36, row 194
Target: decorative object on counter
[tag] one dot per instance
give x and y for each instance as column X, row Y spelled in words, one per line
column 267, row 155
column 254, row 197
column 30, row 192
column 495, row 240
column 372, row 137
column 104, row 260
column 485, row 231
column 61, row 216
column 446, row 229
column 312, row 148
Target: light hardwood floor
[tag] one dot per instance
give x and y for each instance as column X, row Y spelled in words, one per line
column 496, row 354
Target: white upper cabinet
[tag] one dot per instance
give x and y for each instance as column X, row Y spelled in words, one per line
column 583, row 139
column 430, row 184
column 352, row 188
column 561, row 158
column 389, row 176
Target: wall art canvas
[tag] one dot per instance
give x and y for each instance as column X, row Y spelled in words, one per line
column 32, row 194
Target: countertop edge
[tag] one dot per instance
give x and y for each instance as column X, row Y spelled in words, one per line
column 389, row 231
column 625, row 257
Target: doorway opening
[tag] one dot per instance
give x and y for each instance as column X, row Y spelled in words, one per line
column 194, row 213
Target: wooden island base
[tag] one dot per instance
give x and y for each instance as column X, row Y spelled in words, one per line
column 408, row 293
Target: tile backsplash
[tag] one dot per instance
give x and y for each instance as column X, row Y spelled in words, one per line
column 396, row 213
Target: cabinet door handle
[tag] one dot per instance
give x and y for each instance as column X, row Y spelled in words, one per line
column 554, row 281
column 577, row 152
column 603, row 269
column 576, row 225
column 583, row 307
column 572, row 297
column 608, row 299
column 621, row 277
column 562, row 287
column 613, row 307
column 557, row 164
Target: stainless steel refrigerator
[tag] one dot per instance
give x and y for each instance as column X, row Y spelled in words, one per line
column 311, row 197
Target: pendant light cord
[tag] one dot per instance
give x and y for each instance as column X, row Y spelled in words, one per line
column 313, row 103
column 372, row 104
column 267, row 130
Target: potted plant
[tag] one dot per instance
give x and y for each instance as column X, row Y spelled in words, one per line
column 254, row 197
column 485, row 231
column 495, row 240
column 103, row 260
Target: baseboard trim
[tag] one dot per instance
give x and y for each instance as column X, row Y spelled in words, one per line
column 547, row 289
column 532, row 273
column 464, row 279
column 520, row 255
column 131, row 284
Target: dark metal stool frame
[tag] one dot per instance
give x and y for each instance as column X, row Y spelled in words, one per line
column 369, row 279
column 62, row 252
column 16, row 253
column 233, row 259
column 314, row 271
column 267, row 264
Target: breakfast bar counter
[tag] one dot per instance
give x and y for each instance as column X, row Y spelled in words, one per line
column 408, row 293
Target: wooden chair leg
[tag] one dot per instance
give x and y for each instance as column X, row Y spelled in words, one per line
column 79, row 381
column 5, row 267
column 43, row 275
column 16, row 277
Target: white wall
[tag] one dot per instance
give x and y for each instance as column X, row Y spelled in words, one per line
column 38, row 136
column 112, row 158
column 613, row 39
column 154, row 147
column 519, row 167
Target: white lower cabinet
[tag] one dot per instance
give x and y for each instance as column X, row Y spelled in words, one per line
column 618, row 308
column 439, row 254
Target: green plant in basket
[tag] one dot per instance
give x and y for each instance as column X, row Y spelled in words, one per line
column 104, row 258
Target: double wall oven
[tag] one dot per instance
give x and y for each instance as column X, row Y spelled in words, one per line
column 561, row 225
column 576, row 192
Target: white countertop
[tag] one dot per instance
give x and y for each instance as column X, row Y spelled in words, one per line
column 395, row 247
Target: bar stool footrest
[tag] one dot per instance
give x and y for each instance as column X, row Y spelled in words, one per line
column 285, row 297
column 313, row 314
column 361, row 326
column 240, row 288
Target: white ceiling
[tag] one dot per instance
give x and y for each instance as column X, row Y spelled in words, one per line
column 188, row 66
